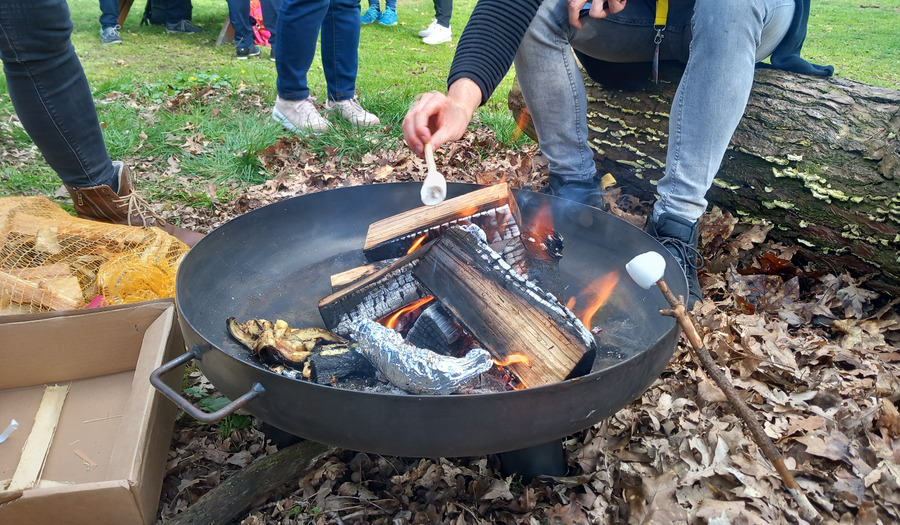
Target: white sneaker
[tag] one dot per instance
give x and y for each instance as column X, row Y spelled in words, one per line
column 352, row 112
column 427, row 31
column 438, row 35
column 300, row 116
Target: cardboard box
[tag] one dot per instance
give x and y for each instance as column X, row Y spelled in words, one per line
column 107, row 459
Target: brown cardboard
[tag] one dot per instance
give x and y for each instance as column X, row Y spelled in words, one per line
column 112, row 415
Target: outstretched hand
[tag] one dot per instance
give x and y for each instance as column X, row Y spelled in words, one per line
column 438, row 118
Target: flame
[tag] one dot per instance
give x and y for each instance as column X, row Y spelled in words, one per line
column 392, row 320
column 542, row 226
column 599, row 291
column 512, row 358
column 570, row 304
column 416, row 244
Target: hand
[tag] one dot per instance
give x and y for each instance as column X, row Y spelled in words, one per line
column 598, row 10
column 439, row 118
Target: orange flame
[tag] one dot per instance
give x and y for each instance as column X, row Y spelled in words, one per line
column 392, row 320
column 542, row 226
column 512, row 358
column 521, row 122
column 416, row 244
column 599, row 290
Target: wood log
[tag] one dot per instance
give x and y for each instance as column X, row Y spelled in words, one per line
column 819, row 158
column 223, row 504
column 340, row 280
column 493, row 209
column 505, row 313
column 373, row 296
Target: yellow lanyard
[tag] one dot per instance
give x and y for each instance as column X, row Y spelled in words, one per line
column 662, row 13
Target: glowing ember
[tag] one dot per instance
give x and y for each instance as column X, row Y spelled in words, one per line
column 391, row 321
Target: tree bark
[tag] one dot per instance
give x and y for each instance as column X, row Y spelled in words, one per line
column 819, row 158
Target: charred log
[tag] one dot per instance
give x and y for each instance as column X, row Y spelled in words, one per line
column 818, row 158
column 504, row 312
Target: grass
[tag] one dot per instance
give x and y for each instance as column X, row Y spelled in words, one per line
column 181, row 100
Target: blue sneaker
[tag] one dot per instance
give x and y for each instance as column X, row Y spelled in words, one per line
column 388, row 18
column 372, row 14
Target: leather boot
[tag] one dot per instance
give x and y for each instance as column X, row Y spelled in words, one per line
column 680, row 237
column 101, row 203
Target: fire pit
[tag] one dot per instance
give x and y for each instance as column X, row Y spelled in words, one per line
column 275, row 263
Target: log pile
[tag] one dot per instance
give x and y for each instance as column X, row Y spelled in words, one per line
column 819, row 158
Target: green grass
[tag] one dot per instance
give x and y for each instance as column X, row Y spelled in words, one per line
column 182, row 99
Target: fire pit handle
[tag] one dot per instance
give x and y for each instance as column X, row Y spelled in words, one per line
column 192, row 410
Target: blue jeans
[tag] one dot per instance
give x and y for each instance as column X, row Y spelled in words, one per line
column 443, row 10
column 50, row 92
column 720, row 41
column 299, row 24
column 388, row 4
column 109, row 13
column 239, row 15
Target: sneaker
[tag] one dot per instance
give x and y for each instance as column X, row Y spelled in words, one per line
column 372, row 14
column 300, row 116
column 110, row 35
column 427, row 31
column 583, row 191
column 242, row 53
column 388, row 18
column 184, row 26
column 438, row 35
column 351, row 111
column 680, row 237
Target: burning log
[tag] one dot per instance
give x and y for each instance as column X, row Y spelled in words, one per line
column 340, row 280
column 434, row 329
column 374, row 296
column 507, row 314
column 493, row 209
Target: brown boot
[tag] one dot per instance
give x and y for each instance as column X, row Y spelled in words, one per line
column 101, row 203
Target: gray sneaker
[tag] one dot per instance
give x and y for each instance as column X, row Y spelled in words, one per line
column 300, row 116
column 110, row 35
column 184, row 26
column 351, row 111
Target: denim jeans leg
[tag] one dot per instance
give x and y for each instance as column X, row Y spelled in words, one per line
column 109, row 13
column 298, row 26
column 239, row 15
column 270, row 10
column 340, row 48
column 179, row 10
column 443, row 10
column 553, row 90
column 727, row 40
column 50, row 92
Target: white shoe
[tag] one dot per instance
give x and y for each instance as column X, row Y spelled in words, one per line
column 438, row 35
column 352, row 112
column 300, row 116
column 427, row 31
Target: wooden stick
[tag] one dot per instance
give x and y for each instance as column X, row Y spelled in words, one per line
column 680, row 313
column 37, row 446
column 222, row 504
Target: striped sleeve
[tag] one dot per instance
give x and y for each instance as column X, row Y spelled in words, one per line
column 489, row 42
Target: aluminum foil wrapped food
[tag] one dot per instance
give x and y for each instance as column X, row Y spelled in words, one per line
column 413, row 369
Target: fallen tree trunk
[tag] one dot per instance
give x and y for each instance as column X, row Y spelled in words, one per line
column 818, row 158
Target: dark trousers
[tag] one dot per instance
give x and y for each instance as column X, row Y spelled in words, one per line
column 239, row 15
column 443, row 10
column 109, row 13
column 50, row 92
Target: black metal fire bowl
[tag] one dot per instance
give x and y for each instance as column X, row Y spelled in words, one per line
column 275, row 263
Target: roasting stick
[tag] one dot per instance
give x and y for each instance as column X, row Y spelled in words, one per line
column 434, row 187
column 647, row 269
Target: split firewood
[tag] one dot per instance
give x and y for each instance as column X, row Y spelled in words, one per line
column 340, row 280
column 374, row 296
column 61, row 293
column 493, row 209
column 36, row 273
column 510, row 316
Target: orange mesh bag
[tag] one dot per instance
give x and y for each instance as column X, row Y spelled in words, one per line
column 50, row 260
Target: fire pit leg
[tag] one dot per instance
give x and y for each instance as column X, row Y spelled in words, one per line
column 540, row 460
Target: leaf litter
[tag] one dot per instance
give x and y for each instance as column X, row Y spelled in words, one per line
column 813, row 352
